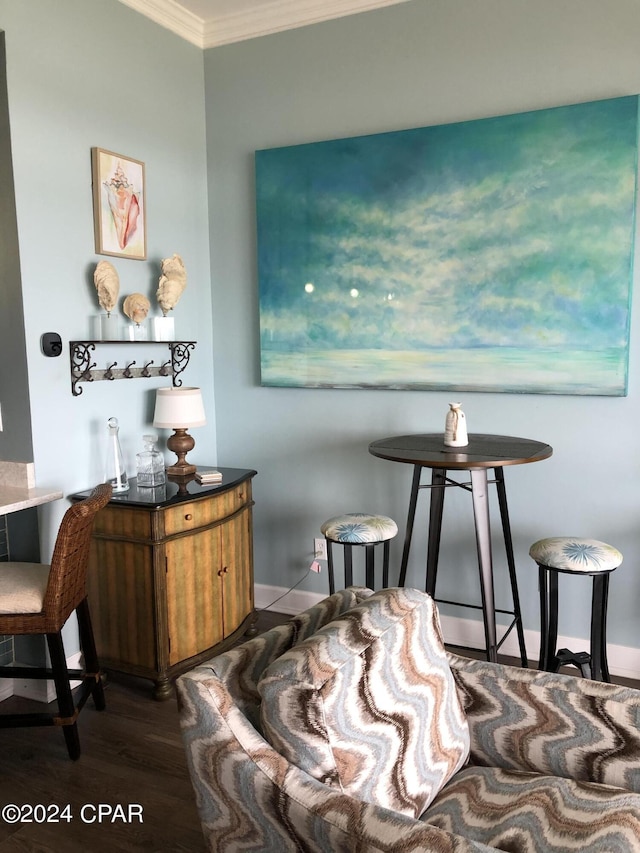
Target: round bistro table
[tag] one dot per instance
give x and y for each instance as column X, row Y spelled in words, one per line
column 483, row 452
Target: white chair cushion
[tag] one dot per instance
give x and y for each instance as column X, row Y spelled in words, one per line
column 359, row 528
column 572, row 554
column 22, row 587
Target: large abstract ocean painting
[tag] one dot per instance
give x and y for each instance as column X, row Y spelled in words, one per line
column 487, row 255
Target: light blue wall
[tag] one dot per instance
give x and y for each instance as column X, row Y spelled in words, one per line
column 418, row 63
column 85, row 73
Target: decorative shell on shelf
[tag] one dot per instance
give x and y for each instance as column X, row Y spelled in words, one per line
column 107, row 282
column 136, row 307
column 172, row 283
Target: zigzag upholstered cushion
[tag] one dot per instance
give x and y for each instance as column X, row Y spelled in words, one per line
column 531, row 813
column 368, row 704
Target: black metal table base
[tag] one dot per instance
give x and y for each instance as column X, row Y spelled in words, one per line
column 478, row 486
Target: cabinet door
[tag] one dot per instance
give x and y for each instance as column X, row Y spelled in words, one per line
column 237, row 570
column 194, row 593
column 120, row 589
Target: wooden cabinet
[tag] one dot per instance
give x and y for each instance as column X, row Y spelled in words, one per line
column 171, row 579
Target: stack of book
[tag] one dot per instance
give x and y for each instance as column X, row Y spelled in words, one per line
column 208, row 478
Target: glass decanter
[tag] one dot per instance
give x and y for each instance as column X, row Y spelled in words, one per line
column 115, row 472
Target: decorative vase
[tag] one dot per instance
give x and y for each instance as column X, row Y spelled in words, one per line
column 455, row 428
column 115, row 472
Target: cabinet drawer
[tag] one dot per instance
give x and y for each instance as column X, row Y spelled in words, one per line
column 194, row 514
column 125, row 522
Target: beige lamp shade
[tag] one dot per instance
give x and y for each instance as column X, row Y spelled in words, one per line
column 179, row 408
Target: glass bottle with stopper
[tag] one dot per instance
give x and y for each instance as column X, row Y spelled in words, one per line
column 150, row 464
column 115, row 472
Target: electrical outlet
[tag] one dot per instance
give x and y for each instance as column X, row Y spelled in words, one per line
column 320, row 549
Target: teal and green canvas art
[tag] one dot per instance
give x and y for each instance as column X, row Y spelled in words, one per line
column 485, row 255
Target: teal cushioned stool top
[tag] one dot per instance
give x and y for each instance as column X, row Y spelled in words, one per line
column 358, row 528
column 572, row 554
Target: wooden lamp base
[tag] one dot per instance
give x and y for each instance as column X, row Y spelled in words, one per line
column 181, row 443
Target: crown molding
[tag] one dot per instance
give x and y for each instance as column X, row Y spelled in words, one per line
column 263, row 19
column 281, row 15
column 172, row 16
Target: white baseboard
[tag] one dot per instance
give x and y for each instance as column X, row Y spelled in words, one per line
column 41, row 690
column 624, row 661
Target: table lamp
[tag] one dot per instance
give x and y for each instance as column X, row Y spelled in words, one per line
column 178, row 409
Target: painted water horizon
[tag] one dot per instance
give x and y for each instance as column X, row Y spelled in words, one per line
column 485, row 369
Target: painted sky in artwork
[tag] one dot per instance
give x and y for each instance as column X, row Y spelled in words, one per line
column 511, row 235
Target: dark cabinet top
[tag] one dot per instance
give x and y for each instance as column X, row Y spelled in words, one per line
column 175, row 491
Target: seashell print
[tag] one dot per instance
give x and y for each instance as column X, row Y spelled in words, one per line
column 107, row 282
column 123, row 204
column 172, row 283
column 136, row 307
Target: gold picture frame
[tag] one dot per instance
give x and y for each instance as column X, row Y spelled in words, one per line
column 119, row 202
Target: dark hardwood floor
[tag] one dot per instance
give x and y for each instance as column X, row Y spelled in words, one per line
column 132, row 754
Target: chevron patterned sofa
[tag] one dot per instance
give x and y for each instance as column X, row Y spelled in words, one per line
column 351, row 730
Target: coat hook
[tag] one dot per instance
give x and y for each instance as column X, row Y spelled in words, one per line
column 127, row 371
column 108, row 374
column 145, row 369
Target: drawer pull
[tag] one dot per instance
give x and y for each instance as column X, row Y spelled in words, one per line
column 188, row 517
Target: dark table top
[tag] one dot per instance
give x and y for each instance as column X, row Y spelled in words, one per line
column 483, row 451
column 173, row 491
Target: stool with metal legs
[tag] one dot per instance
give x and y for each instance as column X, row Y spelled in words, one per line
column 562, row 554
column 359, row 529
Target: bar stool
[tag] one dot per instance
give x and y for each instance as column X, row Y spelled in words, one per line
column 576, row 557
column 358, row 528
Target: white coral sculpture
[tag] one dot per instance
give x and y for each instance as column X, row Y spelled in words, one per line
column 107, row 282
column 136, row 307
column 171, row 284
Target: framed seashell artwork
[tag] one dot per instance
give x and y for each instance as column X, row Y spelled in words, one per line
column 119, row 205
